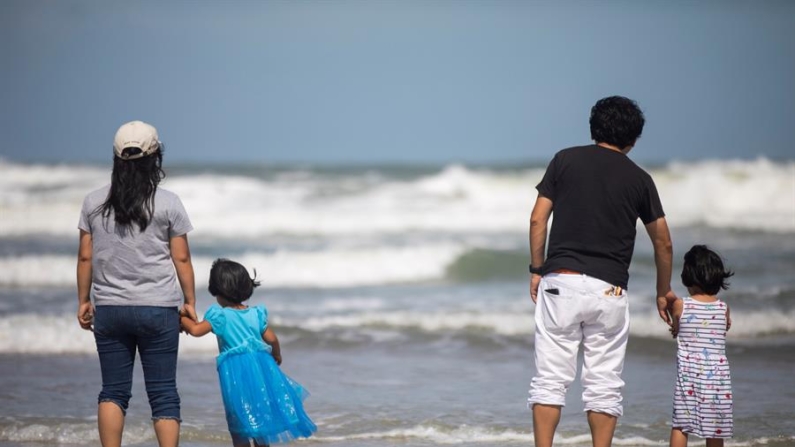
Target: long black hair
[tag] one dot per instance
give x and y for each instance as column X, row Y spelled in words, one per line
column 133, row 184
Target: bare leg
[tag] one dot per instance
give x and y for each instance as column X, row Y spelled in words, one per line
column 167, row 432
column 678, row 438
column 545, row 422
column 603, row 426
column 714, row 442
column 110, row 421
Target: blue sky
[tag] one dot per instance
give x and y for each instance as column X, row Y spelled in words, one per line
column 403, row 81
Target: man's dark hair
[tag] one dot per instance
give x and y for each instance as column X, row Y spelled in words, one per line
column 704, row 269
column 617, row 121
column 133, row 184
column 230, row 281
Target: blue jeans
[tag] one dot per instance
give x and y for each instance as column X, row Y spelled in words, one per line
column 119, row 332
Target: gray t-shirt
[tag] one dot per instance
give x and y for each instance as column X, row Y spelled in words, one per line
column 134, row 268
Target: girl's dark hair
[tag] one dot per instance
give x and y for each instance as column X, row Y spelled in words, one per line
column 704, row 269
column 132, row 189
column 230, row 281
column 617, row 121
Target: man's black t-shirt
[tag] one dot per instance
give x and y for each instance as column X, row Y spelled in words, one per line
column 597, row 197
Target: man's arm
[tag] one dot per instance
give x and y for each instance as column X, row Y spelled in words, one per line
column 538, row 239
column 663, row 258
column 180, row 255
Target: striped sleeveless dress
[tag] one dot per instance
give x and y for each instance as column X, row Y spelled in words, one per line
column 703, row 396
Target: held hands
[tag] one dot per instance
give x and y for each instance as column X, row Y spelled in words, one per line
column 189, row 312
column 665, row 307
column 85, row 315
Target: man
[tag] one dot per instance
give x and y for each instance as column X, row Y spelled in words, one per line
column 580, row 287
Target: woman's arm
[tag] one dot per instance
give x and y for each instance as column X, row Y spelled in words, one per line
column 85, row 310
column 180, row 255
column 270, row 338
column 194, row 328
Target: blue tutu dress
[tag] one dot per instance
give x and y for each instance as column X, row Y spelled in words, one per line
column 261, row 402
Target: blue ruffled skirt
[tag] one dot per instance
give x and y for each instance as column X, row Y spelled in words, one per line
column 261, row 402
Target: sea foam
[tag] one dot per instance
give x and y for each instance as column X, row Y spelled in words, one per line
column 57, row 334
column 40, row 199
column 334, row 267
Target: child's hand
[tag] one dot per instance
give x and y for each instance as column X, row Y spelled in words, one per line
column 277, row 358
column 184, row 321
column 674, row 329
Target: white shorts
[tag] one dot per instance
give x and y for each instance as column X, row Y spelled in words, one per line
column 572, row 309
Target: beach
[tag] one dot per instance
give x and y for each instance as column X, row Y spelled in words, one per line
column 400, row 297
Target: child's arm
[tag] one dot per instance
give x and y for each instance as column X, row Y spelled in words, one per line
column 728, row 317
column 676, row 314
column 270, row 338
column 194, row 328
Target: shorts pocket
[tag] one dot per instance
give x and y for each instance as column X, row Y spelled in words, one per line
column 558, row 312
column 613, row 313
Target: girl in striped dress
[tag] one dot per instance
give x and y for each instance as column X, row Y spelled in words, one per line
column 702, row 395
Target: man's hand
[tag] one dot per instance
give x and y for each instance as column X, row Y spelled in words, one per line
column 535, row 280
column 665, row 305
column 85, row 315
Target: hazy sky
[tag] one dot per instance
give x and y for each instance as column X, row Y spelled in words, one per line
column 404, row 81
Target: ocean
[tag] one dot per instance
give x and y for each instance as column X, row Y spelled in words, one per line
column 400, row 297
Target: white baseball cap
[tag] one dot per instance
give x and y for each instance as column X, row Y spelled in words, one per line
column 136, row 134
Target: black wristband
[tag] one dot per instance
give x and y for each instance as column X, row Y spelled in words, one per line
column 535, row 270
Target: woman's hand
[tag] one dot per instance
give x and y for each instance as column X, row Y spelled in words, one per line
column 85, row 315
column 189, row 311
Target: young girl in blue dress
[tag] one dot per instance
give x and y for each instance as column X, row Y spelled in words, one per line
column 262, row 404
column 702, row 395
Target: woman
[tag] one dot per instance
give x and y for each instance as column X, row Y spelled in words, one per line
column 133, row 250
